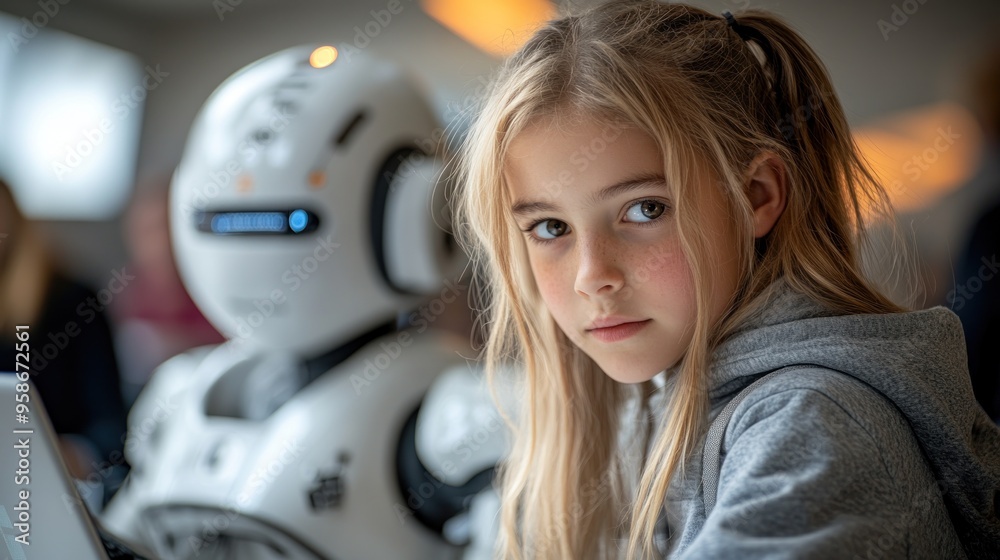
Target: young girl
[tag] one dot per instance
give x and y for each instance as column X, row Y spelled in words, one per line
column 659, row 195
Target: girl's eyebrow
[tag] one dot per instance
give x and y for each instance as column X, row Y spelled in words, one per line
column 640, row 181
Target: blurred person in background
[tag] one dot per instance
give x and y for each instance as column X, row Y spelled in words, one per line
column 155, row 318
column 72, row 358
column 975, row 294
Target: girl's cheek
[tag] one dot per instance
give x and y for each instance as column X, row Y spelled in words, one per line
column 658, row 264
column 677, row 271
column 554, row 285
column 550, row 282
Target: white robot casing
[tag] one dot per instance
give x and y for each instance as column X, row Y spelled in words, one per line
column 246, row 449
column 314, row 480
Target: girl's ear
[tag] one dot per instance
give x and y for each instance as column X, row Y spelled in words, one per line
column 767, row 190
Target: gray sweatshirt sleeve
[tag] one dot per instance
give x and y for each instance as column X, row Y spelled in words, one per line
column 803, row 477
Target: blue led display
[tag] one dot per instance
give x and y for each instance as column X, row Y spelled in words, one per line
column 298, row 221
column 248, row 222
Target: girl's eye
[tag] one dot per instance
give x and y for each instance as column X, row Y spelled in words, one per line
column 645, row 211
column 549, row 229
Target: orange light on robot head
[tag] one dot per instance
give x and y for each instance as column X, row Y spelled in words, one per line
column 323, row 56
column 317, row 179
column 244, row 183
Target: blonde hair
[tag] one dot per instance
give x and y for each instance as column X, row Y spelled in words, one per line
column 706, row 96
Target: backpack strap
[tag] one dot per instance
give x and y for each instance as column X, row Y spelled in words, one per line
column 711, row 461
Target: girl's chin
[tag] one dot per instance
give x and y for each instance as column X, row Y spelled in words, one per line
column 630, row 375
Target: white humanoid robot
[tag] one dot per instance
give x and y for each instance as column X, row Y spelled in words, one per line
column 306, row 222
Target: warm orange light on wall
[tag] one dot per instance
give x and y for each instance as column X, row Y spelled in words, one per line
column 498, row 27
column 922, row 154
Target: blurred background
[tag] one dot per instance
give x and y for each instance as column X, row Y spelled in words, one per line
column 97, row 98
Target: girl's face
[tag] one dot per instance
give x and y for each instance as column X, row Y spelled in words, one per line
column 603, row 243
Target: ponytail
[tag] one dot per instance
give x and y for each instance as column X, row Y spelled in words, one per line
column 840, row 194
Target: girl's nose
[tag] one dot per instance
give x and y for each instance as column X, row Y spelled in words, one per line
column 599, row 273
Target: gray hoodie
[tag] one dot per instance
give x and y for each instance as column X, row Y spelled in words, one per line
column 875, row 448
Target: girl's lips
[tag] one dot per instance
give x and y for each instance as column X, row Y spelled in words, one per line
column 618, row 332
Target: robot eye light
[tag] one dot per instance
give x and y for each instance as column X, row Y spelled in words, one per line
column 298, row 220
column 261, row 222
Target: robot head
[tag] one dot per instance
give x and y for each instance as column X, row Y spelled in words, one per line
column 304, row 211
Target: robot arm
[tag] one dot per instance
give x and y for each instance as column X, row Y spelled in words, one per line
column 460, row 432
column 483, row 525
column 460, row 438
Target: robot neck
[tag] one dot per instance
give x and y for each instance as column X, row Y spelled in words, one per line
column 322, row 363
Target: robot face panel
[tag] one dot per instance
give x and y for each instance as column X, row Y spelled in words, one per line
column 295, row 223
